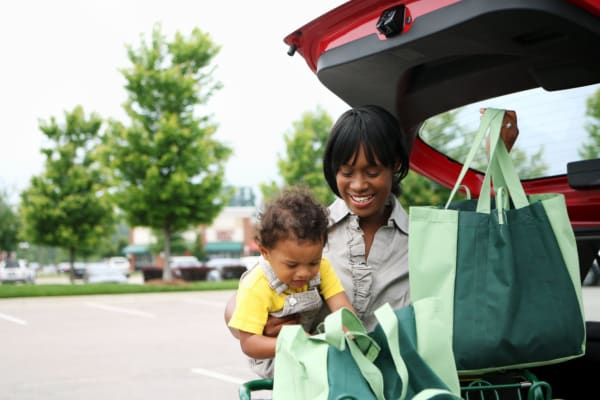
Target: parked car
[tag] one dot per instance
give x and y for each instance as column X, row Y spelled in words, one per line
column 63, row 267
column 189, row 268
column 49, row 269
column 13, row 271
column 433, row 61
column 225, row 268
column 121, row 264
column 103, row 272
column 78, row 270
column 250, row 261
column 184, row 262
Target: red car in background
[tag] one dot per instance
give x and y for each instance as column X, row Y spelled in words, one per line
column 426, row 59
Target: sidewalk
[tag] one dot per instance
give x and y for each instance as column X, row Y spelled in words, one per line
column 64, row 279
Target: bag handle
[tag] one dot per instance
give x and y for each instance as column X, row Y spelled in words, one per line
column 500, row 165
column 335, row 335
column 500, row 169
column 389, row 323
column 362, row 347
column 477, row 141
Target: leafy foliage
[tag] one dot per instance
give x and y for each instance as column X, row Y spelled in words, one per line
column 444, row 133
column 303, row 160
column 9, row 225
column 168, row 167
column 591, row 148
column 67, row 205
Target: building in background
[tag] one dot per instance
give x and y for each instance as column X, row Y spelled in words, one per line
column 231, row 235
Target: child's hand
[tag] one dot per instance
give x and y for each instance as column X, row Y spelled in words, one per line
column 274, row 324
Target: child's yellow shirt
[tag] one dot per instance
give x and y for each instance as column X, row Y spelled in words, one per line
column 256, row 299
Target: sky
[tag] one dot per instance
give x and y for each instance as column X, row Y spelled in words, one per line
column 63, row 53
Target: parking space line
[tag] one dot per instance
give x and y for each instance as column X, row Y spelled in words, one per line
column 216, row 375
column 120, row 310
column 206, row 302
column 13, row 319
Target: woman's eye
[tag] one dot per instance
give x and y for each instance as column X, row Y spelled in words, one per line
column 373, row 173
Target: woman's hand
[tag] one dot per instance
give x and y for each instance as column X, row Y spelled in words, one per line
column 509, row 130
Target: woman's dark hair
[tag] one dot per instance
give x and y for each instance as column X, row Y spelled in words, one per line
column 293, row 214
column 378, row 132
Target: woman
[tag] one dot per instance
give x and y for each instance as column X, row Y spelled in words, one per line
column 365, row 159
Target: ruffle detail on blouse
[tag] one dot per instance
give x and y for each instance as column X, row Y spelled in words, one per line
column 362, row 276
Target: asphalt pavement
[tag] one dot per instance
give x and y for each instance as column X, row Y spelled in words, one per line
column 145, row 346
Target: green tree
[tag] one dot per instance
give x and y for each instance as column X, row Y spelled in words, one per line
column 9, row 225
column 303, row 160
column 67, row 206
column 168, row 168
column 590, row 149
column 178, row 244
column 444, row 133
column 419, row 190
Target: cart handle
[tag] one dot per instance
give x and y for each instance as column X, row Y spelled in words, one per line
column 247, row 388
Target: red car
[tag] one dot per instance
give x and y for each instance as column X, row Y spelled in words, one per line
column 428, row 61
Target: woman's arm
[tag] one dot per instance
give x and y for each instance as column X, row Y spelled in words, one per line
column 229, row 309
column 257, row 346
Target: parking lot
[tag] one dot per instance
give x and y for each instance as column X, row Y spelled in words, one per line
column 149, row 346
column 143, row 346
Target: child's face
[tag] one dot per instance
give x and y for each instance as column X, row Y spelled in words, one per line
column 295, row 262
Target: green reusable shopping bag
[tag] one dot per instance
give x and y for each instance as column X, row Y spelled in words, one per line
column 415, row 343
column 383, row 364
column 506, row 268
column 304, row 368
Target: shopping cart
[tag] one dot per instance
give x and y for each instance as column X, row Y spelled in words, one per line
column 509, row 385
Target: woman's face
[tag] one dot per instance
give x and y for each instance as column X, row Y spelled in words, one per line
column 364, row 187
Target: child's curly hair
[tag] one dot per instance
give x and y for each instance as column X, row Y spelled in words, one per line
column 293, row 214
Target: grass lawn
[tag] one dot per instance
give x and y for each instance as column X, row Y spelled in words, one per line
column 78, row 289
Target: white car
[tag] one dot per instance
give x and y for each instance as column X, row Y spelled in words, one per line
column 120, row 264
column 225, row 268
column 250, row 261
column 188, row 268
column 184, row 262
column 13, row 271
column 103, row 272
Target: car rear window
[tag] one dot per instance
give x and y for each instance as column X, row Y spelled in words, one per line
column 554, row 129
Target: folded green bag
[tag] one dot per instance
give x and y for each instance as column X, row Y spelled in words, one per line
column 383, row 364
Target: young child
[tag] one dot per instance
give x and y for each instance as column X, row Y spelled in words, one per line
column 291, row 277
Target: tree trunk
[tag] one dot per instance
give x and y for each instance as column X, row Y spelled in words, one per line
column 167, row 274
column 72, row 264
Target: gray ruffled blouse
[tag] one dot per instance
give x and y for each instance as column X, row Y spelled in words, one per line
column 380, row 278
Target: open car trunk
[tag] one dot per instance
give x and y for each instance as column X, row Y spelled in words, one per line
column 419, row 59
